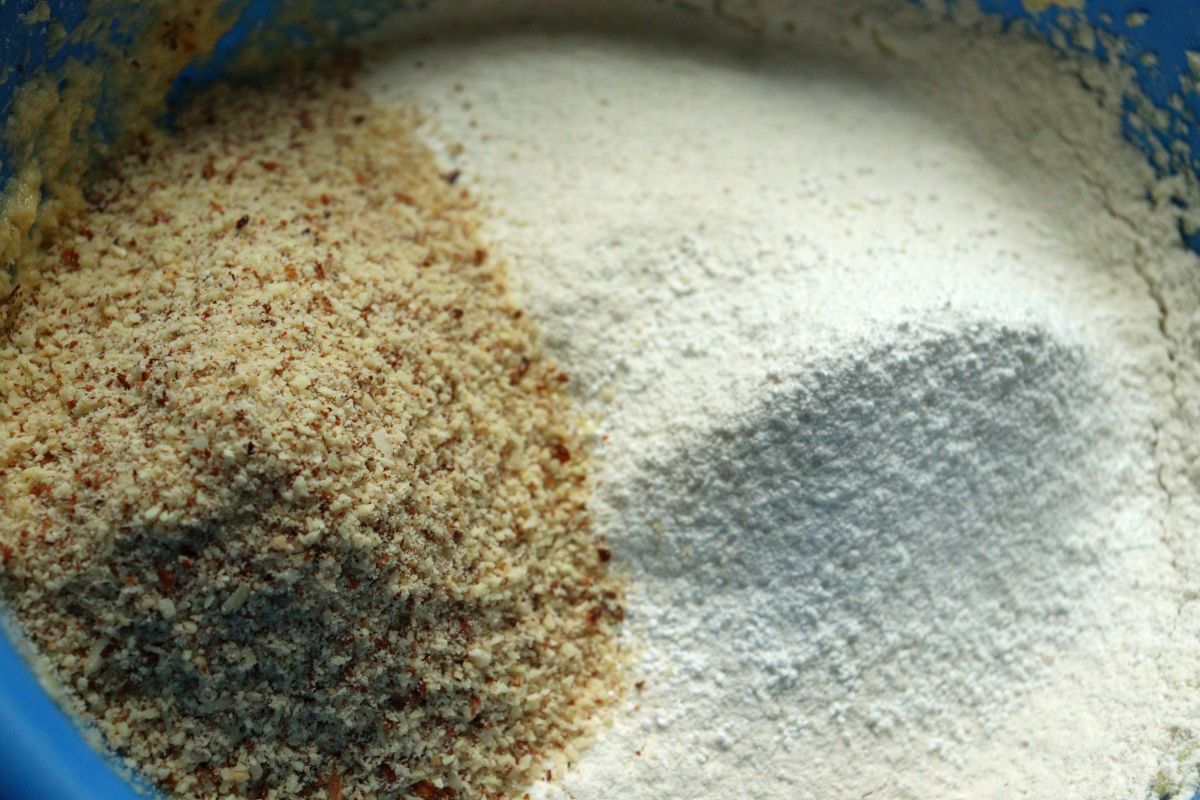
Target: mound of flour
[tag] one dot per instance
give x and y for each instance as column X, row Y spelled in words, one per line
column 885, row 376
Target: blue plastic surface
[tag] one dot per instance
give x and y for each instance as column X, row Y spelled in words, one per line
column 42, row 756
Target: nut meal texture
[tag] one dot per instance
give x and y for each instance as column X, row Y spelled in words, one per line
column 293, row 504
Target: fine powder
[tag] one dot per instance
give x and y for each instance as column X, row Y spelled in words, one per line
column 885, row 345
column 293, row 505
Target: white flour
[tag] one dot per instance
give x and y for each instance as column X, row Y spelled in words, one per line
column 888, row 409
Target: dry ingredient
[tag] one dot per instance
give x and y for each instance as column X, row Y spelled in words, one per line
column 757, row 268
column 894, row 363
column 293, row 503
column 117, row 57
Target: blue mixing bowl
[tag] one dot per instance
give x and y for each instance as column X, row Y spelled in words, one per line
column 43, row 756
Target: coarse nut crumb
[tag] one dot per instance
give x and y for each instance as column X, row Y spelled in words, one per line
column 292, row 499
